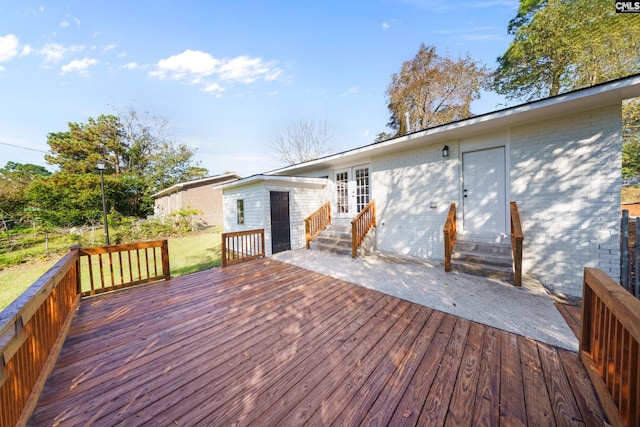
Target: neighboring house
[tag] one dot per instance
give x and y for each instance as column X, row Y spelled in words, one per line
column 559, row 159
column 197, row 194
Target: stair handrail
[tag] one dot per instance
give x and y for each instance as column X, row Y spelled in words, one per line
column 516, row 244
column 450, row 235
column 360, row 226
column 316, row 222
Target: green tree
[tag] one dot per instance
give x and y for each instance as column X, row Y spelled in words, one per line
column 382, row 136
column 83, row 145
column 434, row 90
column 141, row 159
column 562, row 45
column 15, row 179
column 152, row 154
column 631, row 138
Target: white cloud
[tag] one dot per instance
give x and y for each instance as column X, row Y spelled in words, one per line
column 53, row 52
column 8, row 47
column 133, row 66
column 386, row 25
column 247, row 70
column 352, row 91
column 214, row 89
column 197, row 67
column 365, row 133
column 80, row 66
column 64, row 24
column 190, row 63
column 273, row 93
column 26, row 50
column 109, row 47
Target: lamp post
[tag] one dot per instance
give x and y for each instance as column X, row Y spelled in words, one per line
column 101, row 165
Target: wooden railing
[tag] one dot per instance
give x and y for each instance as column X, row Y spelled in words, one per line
column 108, row 268
column 360, row 226
column 516, row 244
column 34, row 326
column 450, row 235
column 316, row 222
column 240, row 246
column 609, row 346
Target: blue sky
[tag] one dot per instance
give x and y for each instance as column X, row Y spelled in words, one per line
column 228, row 75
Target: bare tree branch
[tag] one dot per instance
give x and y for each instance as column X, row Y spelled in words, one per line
column 302, row 140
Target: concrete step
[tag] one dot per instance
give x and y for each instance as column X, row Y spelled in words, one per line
column 326, row 239
column 333, row 247
column 482, row 258
column 481, row 247
column 491, row 271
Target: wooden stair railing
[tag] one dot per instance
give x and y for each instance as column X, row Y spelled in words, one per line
column 516, row 244
column 360, row 226
column 610, row 346
column 34, row 326
column 450, row 236
column 316, row 222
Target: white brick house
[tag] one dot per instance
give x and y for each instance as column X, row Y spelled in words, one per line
column 559, row 159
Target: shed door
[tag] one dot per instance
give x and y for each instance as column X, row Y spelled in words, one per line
column 280, row 225
column 484, row 192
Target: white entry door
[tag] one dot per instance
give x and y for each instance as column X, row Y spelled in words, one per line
column 353, row 190
column 484, row 192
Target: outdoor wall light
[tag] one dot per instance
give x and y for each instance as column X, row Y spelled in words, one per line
column 101, row 165
column 445, row 151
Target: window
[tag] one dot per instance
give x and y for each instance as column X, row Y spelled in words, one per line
column 240, row 208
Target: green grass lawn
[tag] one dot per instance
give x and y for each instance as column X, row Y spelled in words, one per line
column 186, row 255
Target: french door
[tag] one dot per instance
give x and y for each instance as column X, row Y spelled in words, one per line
column 352, row 190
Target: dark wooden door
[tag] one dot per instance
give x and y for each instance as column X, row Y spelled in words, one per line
column 280, row 225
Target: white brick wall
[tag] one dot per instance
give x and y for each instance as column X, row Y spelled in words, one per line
column 566, row 177
column 404, row 184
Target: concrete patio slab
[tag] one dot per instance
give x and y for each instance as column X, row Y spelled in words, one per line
column 527, row 310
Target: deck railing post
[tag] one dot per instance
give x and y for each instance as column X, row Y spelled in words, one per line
column 449, row 236
column 166, row 268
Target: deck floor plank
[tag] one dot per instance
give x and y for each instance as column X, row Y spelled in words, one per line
column 266, row 356
column 436, row 407
column 512, row 403
column 463, row 399
column 266, row 343
column 539, row 411
column 376, row 399
column 486, row 408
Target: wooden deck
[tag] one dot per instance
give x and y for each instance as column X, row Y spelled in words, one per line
column 267, row 343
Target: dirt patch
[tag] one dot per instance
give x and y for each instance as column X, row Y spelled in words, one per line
column 633, row 208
